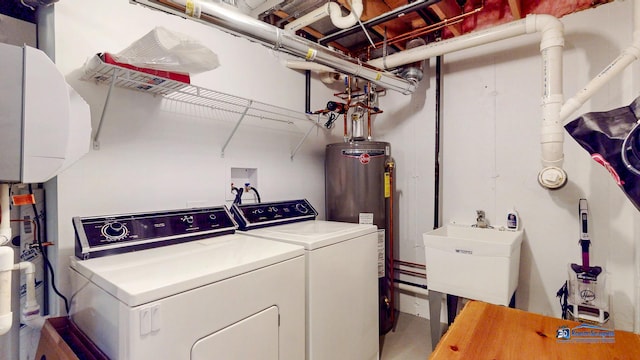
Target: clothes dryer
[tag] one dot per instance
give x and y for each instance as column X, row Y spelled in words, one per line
column 341, row 275
column 193, row 289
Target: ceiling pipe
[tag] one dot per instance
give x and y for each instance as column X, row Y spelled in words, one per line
column 239, row 24
column 393, row 14
column 552, row 176
column 554, row 111
column 327, row 75
column 332, row 10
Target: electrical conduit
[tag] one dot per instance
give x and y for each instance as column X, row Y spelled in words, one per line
column 332, row 10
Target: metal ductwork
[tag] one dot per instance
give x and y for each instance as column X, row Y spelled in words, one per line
column 238, row 24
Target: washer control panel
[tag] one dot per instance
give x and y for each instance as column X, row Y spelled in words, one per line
column 106, row 235
column 252, row 216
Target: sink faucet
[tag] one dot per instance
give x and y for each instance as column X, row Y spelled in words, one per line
column 481, row 221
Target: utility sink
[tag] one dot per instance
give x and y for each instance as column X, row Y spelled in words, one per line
column 474, row 263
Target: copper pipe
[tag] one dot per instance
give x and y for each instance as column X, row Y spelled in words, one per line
column 433, row 27
column 346, row 109
column 410, row 264
column 412, row 273
column 35, row 232
column 369, row 137
column 345, row 126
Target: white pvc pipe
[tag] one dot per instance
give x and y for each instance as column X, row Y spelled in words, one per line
column 5, row 226
column 332, row 10
column 31, row 307
column 552, row 134
column 628, row 56
column 6, row 265
column 6, row 262
column 481, row 37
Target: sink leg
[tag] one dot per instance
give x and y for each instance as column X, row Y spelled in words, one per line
column 435, row 305
column 452, row 308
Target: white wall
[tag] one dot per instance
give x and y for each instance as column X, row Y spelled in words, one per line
column 154, row 155
column 491, row 157
column 157, row 155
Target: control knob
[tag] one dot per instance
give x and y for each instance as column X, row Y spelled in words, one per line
column 114, row 231
column 302, row 208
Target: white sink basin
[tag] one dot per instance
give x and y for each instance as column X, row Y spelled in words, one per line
column 474, row 263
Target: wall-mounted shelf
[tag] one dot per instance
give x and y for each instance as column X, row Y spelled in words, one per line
column 98, row 71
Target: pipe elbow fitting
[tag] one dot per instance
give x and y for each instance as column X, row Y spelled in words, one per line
column 349, row 20
column 34, row 320
column 634, row 48
column 6, row 320
column 28, row 267
column 549, row 26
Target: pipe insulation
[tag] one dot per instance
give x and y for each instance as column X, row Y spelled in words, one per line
column 332, row 10
column 245, row 26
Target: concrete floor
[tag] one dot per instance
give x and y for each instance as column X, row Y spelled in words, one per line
column 408, row 341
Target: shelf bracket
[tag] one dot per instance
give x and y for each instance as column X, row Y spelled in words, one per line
column 293, row 154
column 244, row 113
column 96, row 142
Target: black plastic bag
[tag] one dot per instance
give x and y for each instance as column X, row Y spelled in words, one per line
column 603, row 135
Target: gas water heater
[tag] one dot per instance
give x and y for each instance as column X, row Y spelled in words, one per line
column 358, row 189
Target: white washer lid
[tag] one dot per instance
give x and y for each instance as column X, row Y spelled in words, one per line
column 313, row 234
column 140, row 277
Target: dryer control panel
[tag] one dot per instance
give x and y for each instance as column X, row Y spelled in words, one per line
column 253, row 216
column 107, row 235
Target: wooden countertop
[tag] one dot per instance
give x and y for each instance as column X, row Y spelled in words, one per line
column 486, row 331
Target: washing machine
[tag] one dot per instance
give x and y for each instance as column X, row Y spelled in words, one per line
column 341, row 275
column 183, row 284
